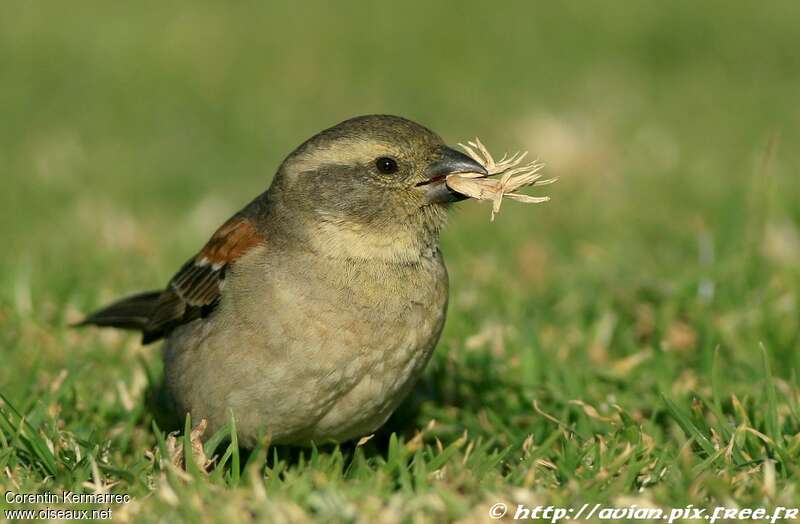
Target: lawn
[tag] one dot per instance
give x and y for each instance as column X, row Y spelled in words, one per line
column 635, row 341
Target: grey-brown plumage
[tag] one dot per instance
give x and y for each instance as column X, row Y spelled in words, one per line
column 311, row 312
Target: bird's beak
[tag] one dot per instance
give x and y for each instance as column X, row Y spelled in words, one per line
column 449, row 162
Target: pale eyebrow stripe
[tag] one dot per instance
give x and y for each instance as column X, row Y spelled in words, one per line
column 342, row 152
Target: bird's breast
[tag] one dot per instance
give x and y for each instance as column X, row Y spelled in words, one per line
column 325, row 349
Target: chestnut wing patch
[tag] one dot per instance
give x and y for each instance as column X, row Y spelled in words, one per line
column 195, row 290
column 200, row 280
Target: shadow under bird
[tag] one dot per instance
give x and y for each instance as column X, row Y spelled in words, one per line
column 312, row 311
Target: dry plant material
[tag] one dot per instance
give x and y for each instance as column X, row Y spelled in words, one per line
column 514, row 174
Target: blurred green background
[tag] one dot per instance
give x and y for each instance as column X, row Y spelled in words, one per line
column 129, row 131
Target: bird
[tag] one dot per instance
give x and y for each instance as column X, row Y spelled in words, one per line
column 309, row 314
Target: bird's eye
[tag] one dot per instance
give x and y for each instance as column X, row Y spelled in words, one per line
column 386, row 165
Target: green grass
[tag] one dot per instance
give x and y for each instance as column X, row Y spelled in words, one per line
column 634, row 341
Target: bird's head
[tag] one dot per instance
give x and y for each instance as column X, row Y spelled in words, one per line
column 372, row 186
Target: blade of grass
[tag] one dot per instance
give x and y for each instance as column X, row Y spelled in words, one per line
column 188, row 454
column 258, row 455
column 235, row 471
column 688, row 426
column 771, row 415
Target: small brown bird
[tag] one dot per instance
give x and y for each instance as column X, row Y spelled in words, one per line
column 312, row 311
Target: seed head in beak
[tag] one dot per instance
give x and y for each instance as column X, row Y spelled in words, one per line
column 449, row 162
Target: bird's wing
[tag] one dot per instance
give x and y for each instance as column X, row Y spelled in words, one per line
column 195, row 289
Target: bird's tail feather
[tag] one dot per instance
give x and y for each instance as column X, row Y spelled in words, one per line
column 131, row 312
